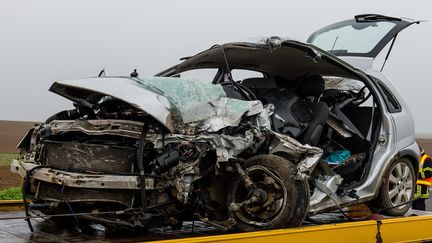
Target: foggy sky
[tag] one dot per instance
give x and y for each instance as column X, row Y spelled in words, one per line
column 44, row 41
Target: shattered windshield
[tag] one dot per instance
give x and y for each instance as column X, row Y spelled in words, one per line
column 195, row 100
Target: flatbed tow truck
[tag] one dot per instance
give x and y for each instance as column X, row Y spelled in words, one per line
column 333, row 227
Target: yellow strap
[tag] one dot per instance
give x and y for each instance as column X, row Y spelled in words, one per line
column 419, row 193
column 423, row 182
column 423, row 158
column 421, row 169
column 422, row 174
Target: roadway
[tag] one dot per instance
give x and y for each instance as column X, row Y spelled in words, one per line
column 16, row 230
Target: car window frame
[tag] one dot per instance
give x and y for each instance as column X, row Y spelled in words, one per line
column 386, row 93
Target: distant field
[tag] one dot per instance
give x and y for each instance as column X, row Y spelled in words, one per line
column 11, row 133
column 13, row 193
column 5, row 159
column 8, row 179
column 426, row 144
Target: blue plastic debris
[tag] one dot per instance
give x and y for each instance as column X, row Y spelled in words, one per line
column 337, row 157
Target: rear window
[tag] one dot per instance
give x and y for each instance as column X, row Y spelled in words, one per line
column 351, row 37
column 392, row 104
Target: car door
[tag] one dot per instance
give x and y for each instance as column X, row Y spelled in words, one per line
column 359, row 41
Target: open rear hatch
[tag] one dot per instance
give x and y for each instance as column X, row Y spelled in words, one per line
column 364, row 36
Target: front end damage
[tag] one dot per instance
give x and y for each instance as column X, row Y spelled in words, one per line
column 210, row 158
column 95, row 177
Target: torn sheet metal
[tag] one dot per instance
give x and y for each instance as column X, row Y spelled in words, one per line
column 226, row 146
column 81, row 180
column 325, row 188
column 197, row 104
column 308, row 156
column 228, row 112
column 126, row 128
column 89, row 92
column 345, row 84
column 264, row 121
column 183, row 184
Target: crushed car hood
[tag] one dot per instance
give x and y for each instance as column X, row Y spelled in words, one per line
column 174, row 102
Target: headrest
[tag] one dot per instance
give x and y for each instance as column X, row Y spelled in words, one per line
column 312, row 85
column 259, row 83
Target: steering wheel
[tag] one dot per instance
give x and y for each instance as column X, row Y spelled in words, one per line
column 244, row 91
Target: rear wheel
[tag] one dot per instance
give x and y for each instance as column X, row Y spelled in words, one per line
column 282, row 200
column 397, row 189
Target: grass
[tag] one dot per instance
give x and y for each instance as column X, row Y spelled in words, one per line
column 6, row 159
column 13, row 193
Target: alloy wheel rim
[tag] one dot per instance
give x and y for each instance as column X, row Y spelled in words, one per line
column 400, row 187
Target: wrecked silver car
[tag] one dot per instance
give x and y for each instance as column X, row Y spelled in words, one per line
column 303, row 133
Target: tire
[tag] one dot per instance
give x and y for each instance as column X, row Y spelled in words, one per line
column 290, row 203
column 398, row 188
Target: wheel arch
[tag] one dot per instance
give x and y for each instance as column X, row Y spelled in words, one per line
column 382, row 200
column 412, row 157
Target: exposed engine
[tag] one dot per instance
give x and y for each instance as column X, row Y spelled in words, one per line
column 100, row 164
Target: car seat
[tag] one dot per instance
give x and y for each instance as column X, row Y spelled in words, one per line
column 314, row 86
column 295, row 114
